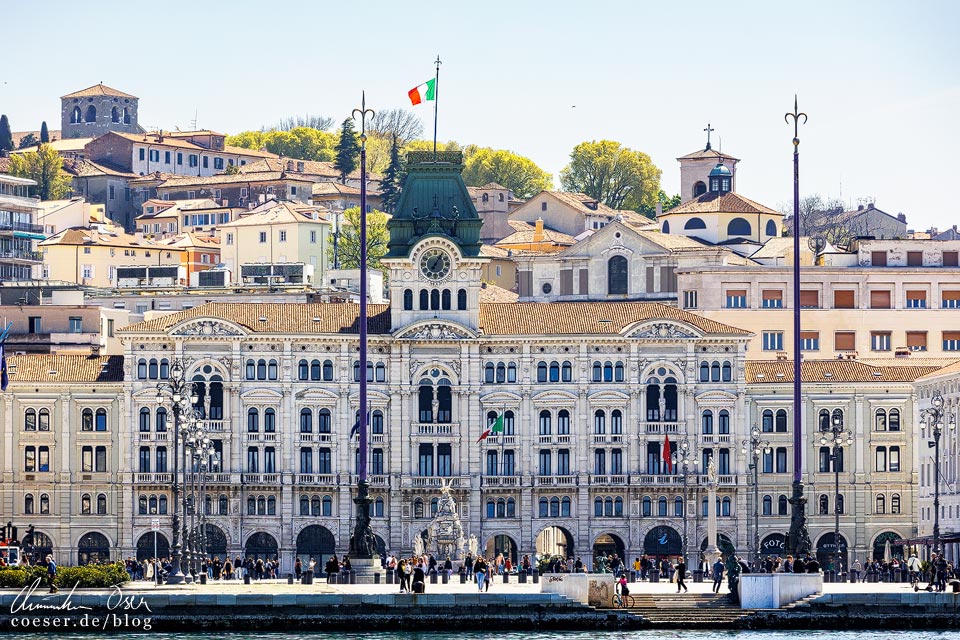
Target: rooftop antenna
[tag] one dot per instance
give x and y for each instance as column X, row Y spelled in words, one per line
column 193, row 123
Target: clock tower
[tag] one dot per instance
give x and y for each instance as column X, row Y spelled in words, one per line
column 433, row 253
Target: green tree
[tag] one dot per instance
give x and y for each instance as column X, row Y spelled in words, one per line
column 28, row 140
column 666, row 202
column 46, row 167
column 6, row 137
column 348, row 150
column 517, row 173
column 348, row 244
column 619, row 177
column 248, row 140
column 396, row 123
column 232, row 170
column 303, row 143
column 44, row 134
column 392, row 182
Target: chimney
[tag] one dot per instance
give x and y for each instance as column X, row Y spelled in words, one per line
column 859, row 207
column 901, row 218
column 870, row 205
column 538, row 231
column 659, row 208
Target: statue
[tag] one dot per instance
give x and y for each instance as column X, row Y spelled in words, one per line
column 473, row 545
column 436, row 409
column 446, row 529
column 418, row 546
column 712, row 471
column 733, row 577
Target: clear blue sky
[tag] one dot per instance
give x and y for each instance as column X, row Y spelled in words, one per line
column 879, row 80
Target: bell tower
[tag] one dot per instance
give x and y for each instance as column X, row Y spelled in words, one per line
column 434, row 247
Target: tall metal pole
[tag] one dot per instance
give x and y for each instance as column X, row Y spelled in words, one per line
column 362, row 543
column 936, row 413
column 436, row 94
column 838, row 438
column 755, row 446
column 178, row 390
column 798, row 541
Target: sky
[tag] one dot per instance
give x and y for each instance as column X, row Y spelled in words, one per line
column 880, row 81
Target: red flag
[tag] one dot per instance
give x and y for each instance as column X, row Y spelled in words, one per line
column 667, row 458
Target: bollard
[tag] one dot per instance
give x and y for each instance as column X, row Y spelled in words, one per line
column 246, row 579
column 633, row 575
column 463, row 578
column 698, row 576
column 522, row 577
column 308, row 577
column 433, row 578
column 352, row 579
column 203, row 578
column 289, row 578
column 654, row 576
column 376, row 578
column 390, row 576
column 536, row 576
column 506, row 578
column 955, row 585
column 446, row 577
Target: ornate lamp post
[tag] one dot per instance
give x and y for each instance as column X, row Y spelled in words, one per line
column 684, row 460
column 181, row 396
column 838, row 438
column 755, row 446
column 934, row 414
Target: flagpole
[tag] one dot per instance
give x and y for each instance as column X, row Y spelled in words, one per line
column 436, row 95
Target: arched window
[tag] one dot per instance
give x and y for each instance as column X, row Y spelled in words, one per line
column 541, row 371
column 881, row 504
column 723, row 422
column 381, row 372
column 488, row 373
column 424, row 300
column 666, row 227
column 616, row 422
column 618, row 372
column 378, row 508
column 597, row 371
column 44, row 504
column 544, row 423
column 739, row 227
column 608, row 371
column 323, row 421
column 115, row 115
column 91, row 115
column 608, row 507
column 823, row 418
column 101, row 504
column 126, row 116
column 142, row 369
column 272, row 370
column 162, row 509
column 250, row 370
column 154, row 369
column 164, row 368
column 704, row 371
column 85, row 504
column 315, row 370
column 253, row 420
column 304, row 506
column 144, row 420
column 445, row 299
column 141, row 505
column 725, row 507
column 781, row 420
column 376, row 422
column 706, row 422
column 261, row 369
column 767, row 505
column 782, row 505
column 566, row 372
column 75, row 116
column 434, row 299
column 715, row 371
column 880, row 420
column 86, row 420
column 824, row 504
column 408, row 299
column 261, row 506
column 766, row 421
column 678, row 506
column 599, row 422
column 271, row 506
column 617, row 275
column 511, row 508
column 662, row 506
column 327, row 370
column 647, row 506
column 30, row 420
column 771, row 229
column 543, row 508
column 269, row 421
column 726, row 372
column 303, row 370
column 501, row 373
column 699, row 189
column 554, row 508
column 554, row 371
column 315, row 508
column 306, row 421
column 563, row 422
column 327, row 509
column 704, row 507
column 462, row 300
column 895, row 504
column 434, row 507
column 893, row 420
column 694, row 223
column 512, row 372
column 491, row 506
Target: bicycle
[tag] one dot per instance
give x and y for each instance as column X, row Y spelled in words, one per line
column 622, row 601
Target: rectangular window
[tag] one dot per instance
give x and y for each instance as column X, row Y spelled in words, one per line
column 444, row 460
column 772, row 298
column 916, row 299
column 76, row 324
column 193, row 160
column 914, row 258
column 253, row 460
column 880, row 340
column 283, row 236
column 179, row 158
column 425, row 467
column 736, row 299
column 263, row 237
column 689, row 299
column 809, row 299
column 845, row 340
column 325, row 461
column 773, row 340
column 166, row 157
column 951, row 340
column 86, row 459
column 544, row 460
column 810, row 340
column 101, row 460
column 894, row 459
column 229, row 238
column 917, row 340
column 950, row 300
column 950, row 258
column 843, row 299
column 878, row 258
column 313, row 237
column 218, row 164
column 781, row 460
column 143, row 155
column 206, row 162
column 879, row 299
column 43, row 459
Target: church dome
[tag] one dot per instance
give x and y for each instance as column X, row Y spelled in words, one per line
column 720, row 170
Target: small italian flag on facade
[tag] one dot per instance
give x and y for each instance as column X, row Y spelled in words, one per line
column 424, row 92
column 495, row 428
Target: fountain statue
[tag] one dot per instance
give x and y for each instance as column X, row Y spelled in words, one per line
column 473, row 545
column 445, row 529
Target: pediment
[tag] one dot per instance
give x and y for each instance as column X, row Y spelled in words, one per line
column 608, row 396
column 317, row 395
column 716, row 397
column 435, row 329
column 207, row 327
column 554, row 396
column 500, row 397
column 663, row 330
column 261, row 394
column 377, row 398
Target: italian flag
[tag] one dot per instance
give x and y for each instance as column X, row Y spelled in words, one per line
column 493, row 429
column 426, row 91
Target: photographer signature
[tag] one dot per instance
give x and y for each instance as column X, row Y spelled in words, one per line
column 116, row 601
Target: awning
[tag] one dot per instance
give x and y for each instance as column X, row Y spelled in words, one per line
column 32, row 236
column 928, row 540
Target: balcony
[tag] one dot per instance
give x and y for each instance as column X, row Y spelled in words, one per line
column 439, row 429
column 495, row 441
column 610, row 481
column 260, row 478
column 436, row 482
column 608, row 439
column 316, row 479
column 659, row 427
column 660, row 480
column 314, row 437
column 21, row 256
column 255, row 436
column 152, row 436
column 500, row 481
column 152, row 478
column 713, row 438
column 6, row 225
column 552, row 439
column 555, row 481
column 222, row 478
column 378, row 480
column 213, row 425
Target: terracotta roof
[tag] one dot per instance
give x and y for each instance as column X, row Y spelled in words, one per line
column 494, row 293
column 707, row 153
column 4, row 165
column 493, row 185
column 948, row 370
column 310, row 167
column 55, row 368
column 69, row 145
column 500, row 318
column 88, row 168
column 278, row 213
column 579, row 201
column 53, row 134
column 570, row 318
column 781, row 371
column 98, row 90
column 178, row 143
column 335, row 188
column 721, row 203
column 491, row 251
column 668, row 241
column 83, row 236
column 549, row 236
column 226, row 178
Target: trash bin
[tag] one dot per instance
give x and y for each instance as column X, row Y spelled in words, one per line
column 390, row 575
column 463, row 578
column 654, row 575
column 955, row 584
column 289, row 578
column 854, row 575
column 698, row 576
column 536, row 576
column 433, row 578
column 246, row 579
column 307, row 577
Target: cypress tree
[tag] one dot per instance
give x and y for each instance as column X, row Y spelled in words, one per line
column 348, row 148
column 44, row 134
column 392, row 179
column 6, row 136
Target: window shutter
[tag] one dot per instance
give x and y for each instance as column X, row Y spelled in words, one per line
column 951, row 335
column 566, row 282
column 878, row 258
column 845, row 340
column 809, row 335
column 843, row 299
column 917, row 339
column 916, row 295
column 951, row 295
column 914, row 258
column 879, row 299
column 950, row 258
column 584, row 281
column 810, row 299
column 772, row 294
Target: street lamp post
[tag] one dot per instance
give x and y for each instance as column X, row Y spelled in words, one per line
column 181, row 395
column 683, row 459
column 934, row 415
column 755, row 446
column 838, row 438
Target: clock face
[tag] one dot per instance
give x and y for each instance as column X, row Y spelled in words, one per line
column 435, row 264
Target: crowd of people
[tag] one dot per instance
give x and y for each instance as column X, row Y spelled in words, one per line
column 157, row 569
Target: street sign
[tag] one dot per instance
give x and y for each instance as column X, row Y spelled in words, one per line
column 155, row 524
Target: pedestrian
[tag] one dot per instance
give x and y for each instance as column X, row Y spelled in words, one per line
column 480, row 571
column 681, row 574
column 717, row 571
column 419, row 578
column 298, row 569
column 52, row 574
column 227, row 569
column 940, row 564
